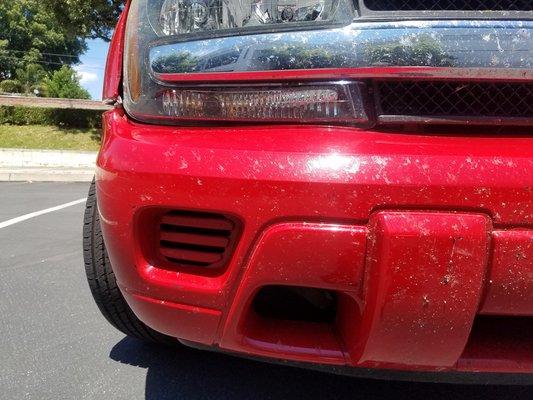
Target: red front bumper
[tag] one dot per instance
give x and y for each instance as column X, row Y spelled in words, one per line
column 422, row 237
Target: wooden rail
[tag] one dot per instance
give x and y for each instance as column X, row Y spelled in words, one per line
column 48, row 102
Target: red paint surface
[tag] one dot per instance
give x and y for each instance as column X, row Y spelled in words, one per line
column 193, row 323
column 328, row 256
column 510, row 288
column 424, row 278
column 113, row 70
column 337, row 208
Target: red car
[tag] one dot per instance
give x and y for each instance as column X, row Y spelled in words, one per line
column 344, row 185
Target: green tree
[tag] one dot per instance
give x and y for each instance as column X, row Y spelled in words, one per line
column 41, row 36
column 30, row 77
column 30, row 33
column 87, row 18
column 11, row 86
column 64, row 83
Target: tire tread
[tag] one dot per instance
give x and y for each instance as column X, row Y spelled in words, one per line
column 102, row 282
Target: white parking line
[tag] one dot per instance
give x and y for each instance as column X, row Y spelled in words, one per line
column 37, row 213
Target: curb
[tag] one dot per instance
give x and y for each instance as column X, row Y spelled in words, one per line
column 19, row 165
column 47, row 158
column 46, row 174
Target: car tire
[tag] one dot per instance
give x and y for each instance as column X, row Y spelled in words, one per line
column 102, row 280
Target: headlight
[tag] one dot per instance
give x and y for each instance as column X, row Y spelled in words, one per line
column 185, row 16
column 154, row 24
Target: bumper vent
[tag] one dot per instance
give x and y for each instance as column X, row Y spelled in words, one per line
column 449, row 5
column 443, row 99
column 197, row 239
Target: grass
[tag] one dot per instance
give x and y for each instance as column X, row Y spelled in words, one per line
column 49, row 137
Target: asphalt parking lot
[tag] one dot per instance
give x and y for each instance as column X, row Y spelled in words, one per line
column 54, row 344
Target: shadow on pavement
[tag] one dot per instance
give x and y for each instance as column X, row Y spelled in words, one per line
column 184, row 373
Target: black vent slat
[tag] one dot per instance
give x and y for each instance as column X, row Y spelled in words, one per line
column 193, row 255
column 449, row 5
column 187, row 263
column 194, row 230
column 455, row 99
column 189, row 246
column 196, row 239
column 198, row 221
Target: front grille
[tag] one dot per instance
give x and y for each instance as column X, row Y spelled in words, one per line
column 197, row 239
column 449, row 5
column 454, row 99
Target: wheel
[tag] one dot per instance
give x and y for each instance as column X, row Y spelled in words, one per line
column 102, row 280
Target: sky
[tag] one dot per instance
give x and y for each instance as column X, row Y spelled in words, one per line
column 91, row 68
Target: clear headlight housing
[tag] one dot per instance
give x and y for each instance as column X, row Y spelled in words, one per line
column 149, row 97
column 178, row 17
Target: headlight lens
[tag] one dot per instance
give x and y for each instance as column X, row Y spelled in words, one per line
column 185, row 16
column 338, row 102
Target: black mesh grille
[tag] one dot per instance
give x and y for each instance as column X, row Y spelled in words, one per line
column 449, row 5
column 455, row 99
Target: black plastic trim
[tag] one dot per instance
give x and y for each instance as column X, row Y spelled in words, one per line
column 464, row 378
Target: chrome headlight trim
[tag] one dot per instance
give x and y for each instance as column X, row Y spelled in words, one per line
column 500, row 48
